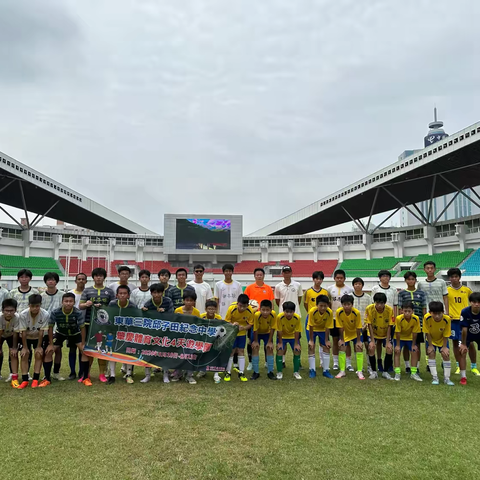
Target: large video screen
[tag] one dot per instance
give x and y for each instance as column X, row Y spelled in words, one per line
column 203, row 234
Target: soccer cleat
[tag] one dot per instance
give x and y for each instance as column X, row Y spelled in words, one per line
column 340, row 374
column 448, row 382
column 408, row 370
column 279, row 375
column 398, row 377
column 250, row 367
column 327, row 374
column 476, row 372
column 44, row 383
column 72, row 376
column 189, row 379
column 297, row 376
column 102, row 378
column 360, row 375
column 23, row 385
column 35, row 384
column 87, row 382
column 15, row 384
column 236, row 370
column 255, row 376
column 129, row 379
column 111, row 380
column 165, row 377
column 216, row 378
column 227, row 377
column 463, row 381
column 58, row 377
column 335, row 366
column 312, row 373
column 235, row 366
column 201, row 374
column 350, row 368
column 242, row 377
column 80, row 380
column 416, row 377
column 369, row 370
column 373, row 376
column 435, row 381
column 387, row 376
column 271, row 376
column 9, row 378
column 457, row 371
column 145, row 380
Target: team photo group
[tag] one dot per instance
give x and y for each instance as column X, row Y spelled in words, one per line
column 383, row 327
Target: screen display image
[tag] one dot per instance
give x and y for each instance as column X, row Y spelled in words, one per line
column 203, row 234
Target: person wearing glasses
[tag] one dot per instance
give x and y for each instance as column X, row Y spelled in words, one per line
column 202, row 289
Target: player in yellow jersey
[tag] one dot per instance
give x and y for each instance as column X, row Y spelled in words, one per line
column 349, row 324
column 240, row 314
column 458, row 295
column 380, row 320
column 437, row 328
column 264, row 326
column 188, row 308
column 320, row 321
column 407, row 327
column 289, row 326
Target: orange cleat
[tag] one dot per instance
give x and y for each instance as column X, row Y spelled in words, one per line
column 35, row 384
column 23, row 385
column 87, row 382
column 44, row 383
column 15, row 384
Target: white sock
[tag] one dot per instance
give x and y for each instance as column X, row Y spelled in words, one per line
column 447, row 367
column 165, row 377
column 349, row 361
column 283, row 357
column 463, row 373
column 230, row 365
column 407, row 364
column 241, row 363
column 433, row 367
column 326, row 361
column 320, row 351
column 311, row 362
column 335, row 359
column 129, row 369
column 112, row 368
column 148, row 371
column 418, row 364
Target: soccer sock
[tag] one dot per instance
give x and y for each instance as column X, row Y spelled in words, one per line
column 447, row 368
column 129, row 369
column 25, row 378
column 463, row 373
column 36, row 376
column 373, row 364
column 320, row 351
column 86, row 369
column 270, row 363
column 148, row 371
column 388, row 361
column 380, row 364
column 230, row 364
column 407, row 364
column 458, row 365
column 256, row 362
column 349, row 361
column 474, row 365
column 296, row 363
column 359, row 356
column 418, row 364
column 112, row 369
column 325, row 361
column 279, row 361
column 413, row 370
column 283, row 358
column 342, row 358
column 241, row 363
column 397, row 370
column 433, row 367
column 165, row 376
column 235, row 359
column 56, row 368
column 335, row 359
column 250, row 352
column 47, row 368
column 14, row 376
column 72, row 360
column 311, row 362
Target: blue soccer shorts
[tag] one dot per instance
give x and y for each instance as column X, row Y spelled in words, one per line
column 240, row 342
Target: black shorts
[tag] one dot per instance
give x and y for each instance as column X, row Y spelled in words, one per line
column 334, row 332
column 365, row 336
column 33, row 343
column 420, row 338
column 59, row 338
column 9, row 341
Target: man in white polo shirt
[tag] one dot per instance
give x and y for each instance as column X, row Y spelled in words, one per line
column 202, row 289
column 288, row 290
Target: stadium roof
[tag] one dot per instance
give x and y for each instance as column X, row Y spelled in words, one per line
column 450, row 165
column 25, row 188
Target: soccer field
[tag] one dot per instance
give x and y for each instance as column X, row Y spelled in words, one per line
column 313, row 428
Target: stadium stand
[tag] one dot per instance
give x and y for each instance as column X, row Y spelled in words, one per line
column 11, row 264
column 78, row 266
column 305, row 268
column 351, row 274
column 444, row 260
column 384, row 263
column 154, row 266
column 471, row 265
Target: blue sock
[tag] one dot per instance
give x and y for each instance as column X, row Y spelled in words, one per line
column 474, row 365
column 270, row 363
column 255, row 361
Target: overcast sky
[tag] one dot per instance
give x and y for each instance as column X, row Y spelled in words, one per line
column 228, row 107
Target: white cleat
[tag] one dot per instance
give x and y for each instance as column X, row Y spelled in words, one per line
column 297, row 376
column 373, row 375
column 387, row 376
column 398, row 377
column 279, row 375
column 216, row 378
column 145, row 380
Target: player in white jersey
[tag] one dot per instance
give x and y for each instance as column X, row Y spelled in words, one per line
column 9, row 334
column 202, row 289
column 21, row 293
column 435, row 288
column 141, row 295
column 384, row 287
column 336, row 293
column 288, row 290
column 80, row 281
column 227, row 290
column 124, row 273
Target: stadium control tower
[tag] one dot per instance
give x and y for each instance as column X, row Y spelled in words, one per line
column 436, row 132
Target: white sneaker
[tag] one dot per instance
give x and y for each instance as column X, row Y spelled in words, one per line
column 58, row 377
column 165, row 377
column 250, row 367
column 30, row 378
column 350, row 368
column 360, row 375
column 398, row 377
column 335, row 366
column 279, row 375
column 216, row 378
column 297, row 376
column 373, row 375
column 416, row 377
column 8, row 379
column 145, row 380
column 201, row 374
column 189, row 379
column 387, row 376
